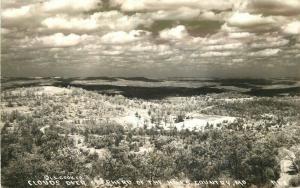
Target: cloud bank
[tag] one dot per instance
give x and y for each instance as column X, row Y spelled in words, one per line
column 156, row 38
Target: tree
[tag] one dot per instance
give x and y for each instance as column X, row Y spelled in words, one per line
column 22, row 169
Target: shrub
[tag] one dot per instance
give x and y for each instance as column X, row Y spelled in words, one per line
column 295, row 181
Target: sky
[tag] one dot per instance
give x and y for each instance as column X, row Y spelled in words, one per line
column 151, row 38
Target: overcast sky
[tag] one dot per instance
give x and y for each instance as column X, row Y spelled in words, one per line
column 151, row 38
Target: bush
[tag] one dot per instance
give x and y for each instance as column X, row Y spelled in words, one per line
column 295, row 181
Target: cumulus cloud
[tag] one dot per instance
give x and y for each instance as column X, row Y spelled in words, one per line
column 265, row 53
column 229, row 46
column 121, row 37
column 215, row 54
column 106, row 21
column 246, row 20
column 292, row 28
column 138, row 5
column 114, row 20
column 62, row 22
column 61, row 40
column 51, row 6
column 149, row 47
column 176, row 33
column 275, row 7
column 210, row 15
column 70, row 5
column 268, row 41
column 182, row 13
column 239, row 35
column 17, row 13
